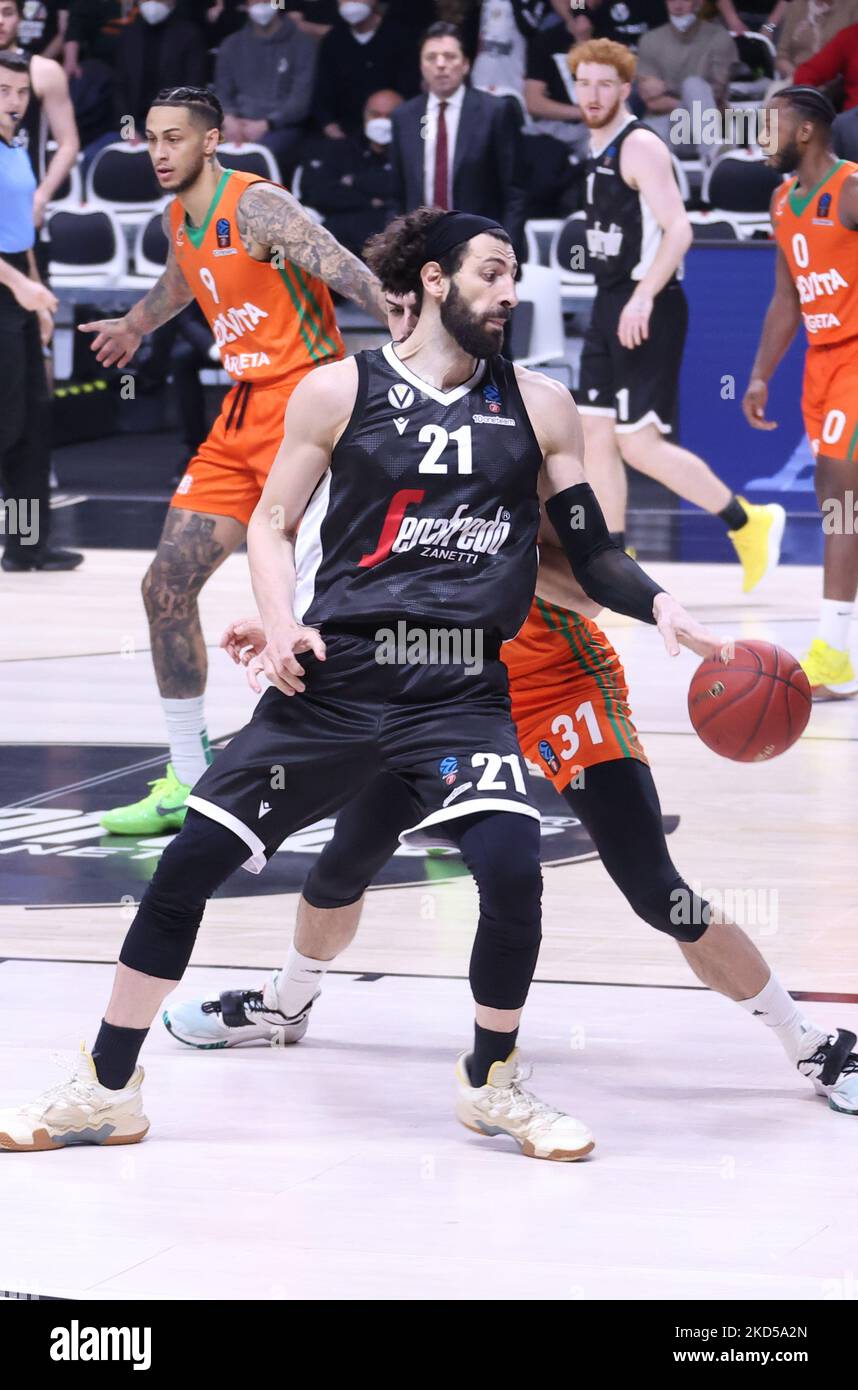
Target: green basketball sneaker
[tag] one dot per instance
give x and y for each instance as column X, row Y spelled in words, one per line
column 162, row 810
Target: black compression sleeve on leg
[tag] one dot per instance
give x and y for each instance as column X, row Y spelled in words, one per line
column 618, row 804
column 161, row 937
column 605, row 572
column 365, row 836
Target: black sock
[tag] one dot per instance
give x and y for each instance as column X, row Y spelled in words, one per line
column 619, row 538
column 489, row 1047
column 734, row 515
column 115, row 1054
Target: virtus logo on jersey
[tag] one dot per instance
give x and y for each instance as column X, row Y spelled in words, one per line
column 458, row 537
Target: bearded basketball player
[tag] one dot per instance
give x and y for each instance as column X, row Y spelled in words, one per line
column 428, row 518
column 815, row 221
column 570, row 705
column 637, row 234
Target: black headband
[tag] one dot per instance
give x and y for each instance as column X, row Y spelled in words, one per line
column 809, row 100
column 454, row 228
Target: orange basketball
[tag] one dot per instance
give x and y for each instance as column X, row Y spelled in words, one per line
column 752, row 707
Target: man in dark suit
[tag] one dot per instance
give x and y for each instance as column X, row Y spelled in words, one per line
column 458, row 148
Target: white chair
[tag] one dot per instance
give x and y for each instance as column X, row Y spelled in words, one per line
column 70, row 192
column 539, row 232
column 121, row 179
column 570, row 236
column 251, row 159
column 715, row 225
column 150, row 247
column 87, row 248
column 540, row 286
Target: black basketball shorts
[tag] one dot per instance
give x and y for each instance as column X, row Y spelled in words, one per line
column 634, row 386
column 444, row 729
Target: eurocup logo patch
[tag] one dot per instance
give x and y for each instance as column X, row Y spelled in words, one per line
column 548, row 756
column 222, row 231
column 823, row 207
column 449, row 770
column 492, row 398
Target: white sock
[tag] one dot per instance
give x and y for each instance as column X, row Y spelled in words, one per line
column 189, row 742
column 835, row 617
column 778, row 1011
column 299, row 981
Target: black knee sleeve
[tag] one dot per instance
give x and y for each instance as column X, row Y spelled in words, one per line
column 161, row 937
column 365, row 836
column 502, row 852
column 619, row 806
column 667, row 903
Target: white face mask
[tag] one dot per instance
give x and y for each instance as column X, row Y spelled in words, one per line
column 379, row 130
column 354, row 12
column 154, row 11
column 682, row 21
column 262, row 14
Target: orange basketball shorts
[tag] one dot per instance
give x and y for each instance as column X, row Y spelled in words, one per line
column 570, row 702
column 829, row 401
column 227, row 474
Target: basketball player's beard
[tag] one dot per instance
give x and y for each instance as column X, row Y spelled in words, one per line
column 469, row 332
column 600, row 121
column 190, row 179
column 787, row 160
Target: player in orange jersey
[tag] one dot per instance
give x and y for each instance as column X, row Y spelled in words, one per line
column 815, row 221
column 259, row 267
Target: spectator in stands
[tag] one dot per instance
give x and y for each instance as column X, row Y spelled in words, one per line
column 844, row 135
column 749, row 16
column 93, row 31
column 808, row 26
column 313, row 17
column 550, row 88
column 839, row 58
column 626, row 21
column 159, row 49
column 264, row 78
column 501, row 48
column 215, row 19
column 350, row 182
column 684, row 66
column 467, row 152
column 43, row 26
column 363, row 53
column 92, row 36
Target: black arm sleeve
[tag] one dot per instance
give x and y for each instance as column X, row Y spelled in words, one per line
column 604, row 571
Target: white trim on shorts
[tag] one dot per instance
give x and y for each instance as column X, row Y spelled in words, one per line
column 651, row 418
column 254, row 865
column 462, row 808
column 597, row 410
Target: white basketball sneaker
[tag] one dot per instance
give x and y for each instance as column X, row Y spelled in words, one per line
column 238, row 1016
column 503, row 1106
column 77, row 1111
column 833, row 1069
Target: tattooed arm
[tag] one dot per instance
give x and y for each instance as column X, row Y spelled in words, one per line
column 117, row 340
column 271, row 222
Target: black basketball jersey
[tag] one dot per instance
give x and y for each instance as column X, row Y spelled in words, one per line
column 429, row 508
column 623, row 236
